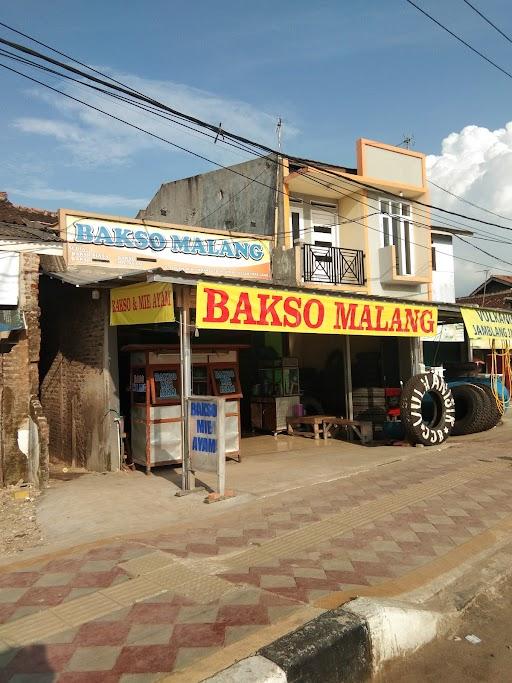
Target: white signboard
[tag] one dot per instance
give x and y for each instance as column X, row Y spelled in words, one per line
column 9, row 278
column 138, row 245
column 206, row 436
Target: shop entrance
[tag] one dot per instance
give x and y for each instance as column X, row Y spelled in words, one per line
column 265, row 376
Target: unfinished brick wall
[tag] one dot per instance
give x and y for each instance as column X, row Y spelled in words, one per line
column 19, row 382
column 73, row 386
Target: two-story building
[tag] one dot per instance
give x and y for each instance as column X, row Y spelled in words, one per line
column 352, row 228
column 335, row 229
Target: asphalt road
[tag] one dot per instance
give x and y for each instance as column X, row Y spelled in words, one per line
column 449, row 660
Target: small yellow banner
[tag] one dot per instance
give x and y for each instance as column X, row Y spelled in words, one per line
column 142, row 303
column 488, row 324
column 252, row 308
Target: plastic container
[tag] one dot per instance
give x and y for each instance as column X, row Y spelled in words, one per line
column 298, row 410
column 394, row 429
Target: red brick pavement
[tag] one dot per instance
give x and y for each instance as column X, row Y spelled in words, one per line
column 169, row 632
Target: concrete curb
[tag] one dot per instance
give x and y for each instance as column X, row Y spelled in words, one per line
column 345, row 645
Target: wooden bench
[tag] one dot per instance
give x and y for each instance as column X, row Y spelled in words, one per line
column 361, row 428
column 316, row 421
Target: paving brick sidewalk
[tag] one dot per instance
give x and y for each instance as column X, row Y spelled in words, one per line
column 470, row 491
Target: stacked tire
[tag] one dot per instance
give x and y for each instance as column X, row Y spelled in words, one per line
column 475, row 409
column 431, row 410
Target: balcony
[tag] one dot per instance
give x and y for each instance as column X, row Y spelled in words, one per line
column 332, row 265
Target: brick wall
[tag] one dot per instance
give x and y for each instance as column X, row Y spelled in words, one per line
column 73, row 380
column 19, row 382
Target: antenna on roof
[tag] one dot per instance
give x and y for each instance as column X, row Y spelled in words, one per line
column 408, row 141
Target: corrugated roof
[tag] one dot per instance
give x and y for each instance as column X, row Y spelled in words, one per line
column 30, row 231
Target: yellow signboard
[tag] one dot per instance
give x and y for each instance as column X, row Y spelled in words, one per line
column 142, row 303
column 489, row 325
column 252, row 308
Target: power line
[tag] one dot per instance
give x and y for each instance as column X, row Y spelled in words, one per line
column 62, row 54
column 139, row 128
column 134, row 104
column 295, row 159
column 488, row 21
column 248, row 145
column 230, row 199
column 461, row 40
column 466, row 201
column 414, row 201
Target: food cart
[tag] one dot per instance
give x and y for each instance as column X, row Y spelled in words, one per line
column 156, row 400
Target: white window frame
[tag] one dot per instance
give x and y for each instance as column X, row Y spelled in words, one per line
column 297, row 206
column 403, row 235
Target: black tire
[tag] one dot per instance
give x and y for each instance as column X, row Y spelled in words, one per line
column 470, row 403
column 439, row 428
column 490, row 413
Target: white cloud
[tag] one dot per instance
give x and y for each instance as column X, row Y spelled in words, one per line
column 79, row 199
column 476, row 164
column 93, row 139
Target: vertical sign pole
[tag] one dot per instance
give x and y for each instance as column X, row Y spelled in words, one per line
column 221, row 444
column 187, row 476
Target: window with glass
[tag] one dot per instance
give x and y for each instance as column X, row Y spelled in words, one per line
column 225, row 379
column 200, row 385
column 396, row 230
column 165, row 384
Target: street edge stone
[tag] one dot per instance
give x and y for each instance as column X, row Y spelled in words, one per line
column 333, row 647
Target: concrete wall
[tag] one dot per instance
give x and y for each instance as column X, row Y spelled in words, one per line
column 392, row 166
column 221, row 199
column 77, row 382
column 20, row 456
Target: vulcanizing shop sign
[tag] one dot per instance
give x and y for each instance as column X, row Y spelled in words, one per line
column 252, row 308
column 112, row 243
column 486, row 324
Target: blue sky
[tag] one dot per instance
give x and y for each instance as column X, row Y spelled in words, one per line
column 333, row 70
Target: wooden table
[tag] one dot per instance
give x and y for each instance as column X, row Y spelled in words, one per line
column 317, row 421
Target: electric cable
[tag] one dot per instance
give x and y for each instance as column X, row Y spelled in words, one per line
column 219, row 132
column 488, row 21
column 461, row 40
column 185, row 149
column 466, row 201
